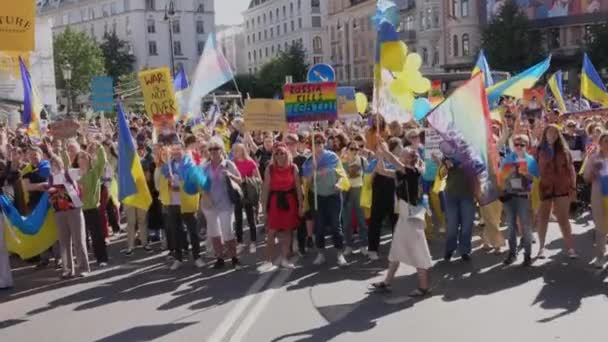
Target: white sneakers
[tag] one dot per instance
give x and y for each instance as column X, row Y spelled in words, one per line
column 252, row 248
column 372, row 255
column 363, row 251
column 199, row 263
column 176, row 264
column 320, row 259
column 348, row 251
column 286, row 264
column 341, row 260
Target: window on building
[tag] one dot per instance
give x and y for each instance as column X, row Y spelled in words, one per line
column 258, row 20
column 92, row 29
column 200, row 47
column 464, row 8
column 285, row 28
column 264, row 18
column 253, row 37
column 293, row 26
column 151, row 5
column 126, row 4
column 279, row 48
column 105, row 27
column 277, row 14
column 272, row 50
column 356, row 75
column 176, row 25
column 316, row 21
column 249, row 56
column 266, row 52
column 286, row 46
column 201, row 7
column 317, row 44
column 284, row 12
column 465, row 44
column 265, row 34
column 270, row 16
column 248, row 40
column 315, row 6
column 455, row 8
column 151, row 26
column 83, row 14
column 435, row 17
column 291, row 8
column 113, row 8
column 422, row 21
column 278, row 30
column 114, row 26
column 252, row 23
column 271, row 32
column 409, row 23
column 177, row 48
column 299, row 4
column 152, row 48
column 91, row 13
column 247, row 24
column 127, row 25
column 455, row 45
column 435, row 56
column 260, row 36
column 105, row 11
column 425, row 56
column 200, row 27
column 428, row 18
column 255, row 55
column 554, row 39
column 299, row 22
column 250, row 70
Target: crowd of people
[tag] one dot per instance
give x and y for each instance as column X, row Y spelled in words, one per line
column 366, row 175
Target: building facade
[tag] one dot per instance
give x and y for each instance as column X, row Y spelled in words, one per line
column 142, row 24
column 272, row 26
column 351, row 40
column 461, row 34
column 231, row 40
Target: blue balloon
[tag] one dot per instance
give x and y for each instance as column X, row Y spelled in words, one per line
column 422, row 107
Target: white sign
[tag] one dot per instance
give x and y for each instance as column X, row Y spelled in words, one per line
column 432, row 139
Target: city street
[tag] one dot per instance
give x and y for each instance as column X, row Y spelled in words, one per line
column 141, row 300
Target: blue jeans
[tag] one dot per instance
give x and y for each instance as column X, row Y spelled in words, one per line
column 328, row 216
column 352, row 200
column 460, row 213
column 519, row 207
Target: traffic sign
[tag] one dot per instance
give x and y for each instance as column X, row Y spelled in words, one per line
column 321, row 73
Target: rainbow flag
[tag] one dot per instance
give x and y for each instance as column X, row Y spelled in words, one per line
column 463, row 120
column 482, row 66
column 132, row 185
column 32, row 106
column 515, row 85
column 592, row 86
column 555, row 85
column 306, row 102
column 212, row 71
column 511, row 163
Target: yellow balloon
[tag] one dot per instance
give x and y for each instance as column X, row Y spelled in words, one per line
column 421, row 85
column 413, row 62
column 361, row 102
column 406, row 101
column 392, row 55
column 398, row 87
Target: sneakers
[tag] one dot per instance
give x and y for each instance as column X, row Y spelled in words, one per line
column 341, row 260
column 66, row 275
column 235, row 262
column 364, row 251
column 252, row 248
column 286, row 263
column 128, row 252
column 598, row 263
column 219, row 263
column 347, row 251
column 148, row 249
column 465, row 257
column 447, row 257
column 527, row 261
column 199, row 263
column 372, row 255
column 572, row 254
column 509, row 260
column 266, row 267
column 103, row 264
column 320, row 259
column 176, row 264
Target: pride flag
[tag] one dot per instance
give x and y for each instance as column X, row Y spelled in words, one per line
column 463, row 120
column 483, row 67
column 555, row 85
column 515, row 85
column 32, row 106
column 132, row 186
column 592, row 86
column 212, row 71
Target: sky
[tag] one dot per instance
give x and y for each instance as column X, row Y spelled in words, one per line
column 228, row 12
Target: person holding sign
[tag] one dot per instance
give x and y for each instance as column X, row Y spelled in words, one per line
column 331, row 180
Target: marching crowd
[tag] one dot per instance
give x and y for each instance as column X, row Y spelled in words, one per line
column 365, row 175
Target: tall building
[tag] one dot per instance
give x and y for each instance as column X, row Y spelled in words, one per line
column 231, row 40
column 352, row 38
column 142, row 24
column 272, row 26
column 462, row 20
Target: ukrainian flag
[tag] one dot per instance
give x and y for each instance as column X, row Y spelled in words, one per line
column 180, row 84
column 32, row 106
column 555, row 85
column 515, row 85
column 132, row 186
column 592, row 87
column 483, row 67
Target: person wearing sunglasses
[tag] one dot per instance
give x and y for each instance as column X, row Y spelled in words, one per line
column 354, row 165
column 518, row 170
column 331, row 180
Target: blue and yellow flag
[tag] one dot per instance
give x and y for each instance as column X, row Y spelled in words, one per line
column 32, row 106
column 132, row 186
column 515, row 85
column 555, row 85
column 592, row 87
column 180, row 84
column 483, row 67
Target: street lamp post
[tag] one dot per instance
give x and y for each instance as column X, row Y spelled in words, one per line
column 169, row 16
column 67, row 77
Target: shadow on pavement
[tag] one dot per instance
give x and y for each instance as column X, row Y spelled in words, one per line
column 146, row 332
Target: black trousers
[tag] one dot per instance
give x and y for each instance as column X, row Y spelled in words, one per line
column 238, row 221
column 113, row 216
column 92, row 221
column 383, row 207
column 178, row 223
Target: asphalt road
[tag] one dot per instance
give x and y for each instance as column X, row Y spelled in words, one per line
column 140, row 299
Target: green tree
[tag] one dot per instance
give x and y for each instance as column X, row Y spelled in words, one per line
column 247, row 84
column 129, row 92
column 271, row 77
column 118, row 57
column 597, row 44
column 508, row 41
column 83, row 54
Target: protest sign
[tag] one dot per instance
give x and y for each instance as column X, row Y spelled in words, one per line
column 64, row 129
column 432, row 143
column 264, row 115
column 586, row 113
column 102, row 94
column 159, row 98
column 347, row 105
column 310, row 101
column 17, row 26
column 533, row 103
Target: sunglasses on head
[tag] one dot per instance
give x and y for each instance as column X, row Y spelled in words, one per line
column 214, row 148
column 354, row 149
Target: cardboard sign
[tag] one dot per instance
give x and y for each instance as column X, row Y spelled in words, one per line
column 159, row 98
column 264, row 115
column 64, row 129
column 533, row 103
column 305, row 102
column 102, row 94
column 17, row 25
column 347, row 106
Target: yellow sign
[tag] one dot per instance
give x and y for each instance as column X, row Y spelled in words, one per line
column 264, row 115
column 9, row 62
column 159, row 98
column 17, row 20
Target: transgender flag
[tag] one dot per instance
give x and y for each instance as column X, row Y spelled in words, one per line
column 212, row 71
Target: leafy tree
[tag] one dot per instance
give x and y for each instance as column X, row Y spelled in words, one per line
column 597, row 44
column 83, row 54
column 271, row 77
column 129, row 92
column 119, row 60
column 247, row 84
column 508, row 41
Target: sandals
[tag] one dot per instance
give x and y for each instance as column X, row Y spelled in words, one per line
column 418, row 293
column 381, row 287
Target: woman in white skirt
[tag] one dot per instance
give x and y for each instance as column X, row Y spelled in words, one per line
column 409, row 245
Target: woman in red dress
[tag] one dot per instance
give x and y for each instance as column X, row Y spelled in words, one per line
column 282, row 203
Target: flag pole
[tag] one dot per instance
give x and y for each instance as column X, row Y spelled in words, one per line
column 238, row 91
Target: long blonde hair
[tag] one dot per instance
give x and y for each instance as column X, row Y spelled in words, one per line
column 240, row 147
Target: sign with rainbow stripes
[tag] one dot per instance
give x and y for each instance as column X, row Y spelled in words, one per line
column 311, row 101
